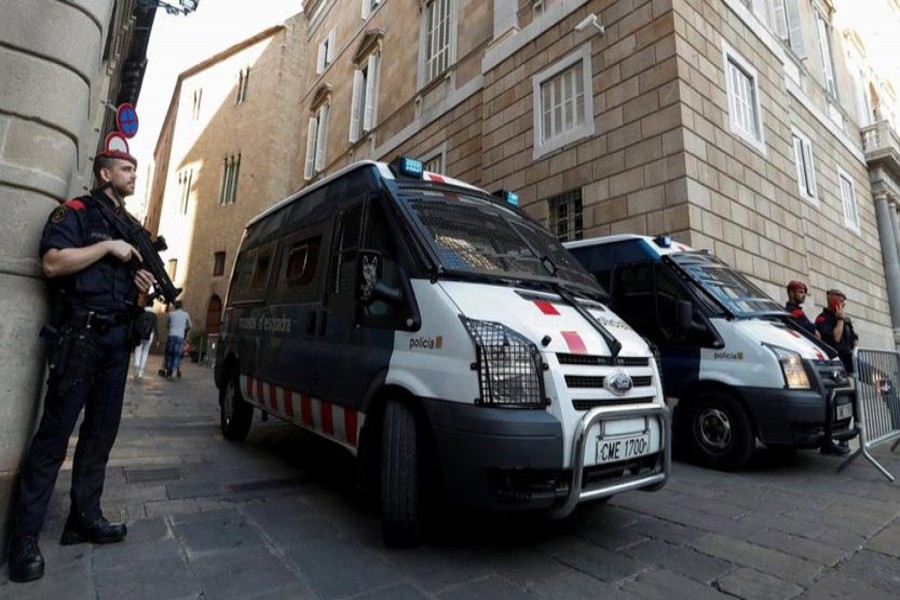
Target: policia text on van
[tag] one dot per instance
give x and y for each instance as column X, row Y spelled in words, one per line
column 446, row 340
column 739, row 366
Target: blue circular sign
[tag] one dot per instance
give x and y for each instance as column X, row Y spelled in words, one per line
column 127, row 120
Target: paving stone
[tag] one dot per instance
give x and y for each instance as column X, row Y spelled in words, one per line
column 769, row 561
column 194, row 489
column 170, row 507
column 886, row 542
column 878, row 570
column 837, row 587
column 108, row 557
column 750, row 584
column 219, row 530
column 659, row 584
column 599, row 562
column 144, row 475
column 693, row 518
column 684, row 561
column 290, row 522
column 574, row 585
column 240, row 573
column 335, row 567
column 489, row 588
column 296, row 591
column 525, row 566
column 394, row 592
column 669, row 532
column 168, row 577
column 434, row 569
column 147, row 530
column 794, row 545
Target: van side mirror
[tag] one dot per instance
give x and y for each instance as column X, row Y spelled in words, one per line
column 369, row 286
column 684, row 316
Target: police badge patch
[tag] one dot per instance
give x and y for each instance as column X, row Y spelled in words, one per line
column 58, row 215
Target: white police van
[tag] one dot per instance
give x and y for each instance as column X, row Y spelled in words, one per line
column 444, row 338
column 737, row 366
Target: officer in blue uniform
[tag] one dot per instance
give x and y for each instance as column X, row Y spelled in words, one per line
column 95, row 285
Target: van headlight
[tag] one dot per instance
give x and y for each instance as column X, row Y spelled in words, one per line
column 510, row 369
column 795, row 376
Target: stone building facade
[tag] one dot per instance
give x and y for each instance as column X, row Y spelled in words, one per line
column 64, row 65
column 225, row 153
column 731, row 124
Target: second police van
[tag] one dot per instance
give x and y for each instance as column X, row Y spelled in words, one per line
column 737, row 366
column 446, row 340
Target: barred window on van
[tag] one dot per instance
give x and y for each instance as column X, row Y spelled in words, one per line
column 261, row 269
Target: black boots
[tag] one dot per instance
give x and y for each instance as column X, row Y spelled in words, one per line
column 834, row 448
column 25, row 560
column 100, row 531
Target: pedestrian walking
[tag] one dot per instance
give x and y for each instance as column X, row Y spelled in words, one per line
column 796, row 291
column 837, row 331
column 147, row 330
column 178, row 324
column 95, row 289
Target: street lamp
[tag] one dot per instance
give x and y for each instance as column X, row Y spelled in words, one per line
column 184, row 7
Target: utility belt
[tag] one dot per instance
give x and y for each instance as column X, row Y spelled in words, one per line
column 83, row 319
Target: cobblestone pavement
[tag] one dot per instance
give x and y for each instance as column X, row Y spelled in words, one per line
column 278, row 517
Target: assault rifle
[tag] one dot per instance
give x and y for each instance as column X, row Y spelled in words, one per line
column 135, row 234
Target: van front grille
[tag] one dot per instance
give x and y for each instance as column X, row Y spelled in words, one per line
column 590, row 403
column 601, row 361
column 584, row 381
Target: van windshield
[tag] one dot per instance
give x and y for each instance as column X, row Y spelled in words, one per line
column 725, row 285
column 471, row 234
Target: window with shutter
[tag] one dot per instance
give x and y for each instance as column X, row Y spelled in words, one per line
column 824, row 38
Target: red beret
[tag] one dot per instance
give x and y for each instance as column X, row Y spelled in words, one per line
column 796, row 285
column 118, row 154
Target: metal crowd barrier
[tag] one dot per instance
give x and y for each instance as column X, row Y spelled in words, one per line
column 877, row 382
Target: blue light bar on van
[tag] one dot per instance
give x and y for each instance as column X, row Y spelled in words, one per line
column 508, row 197
column 403, row 166
column 663, row 241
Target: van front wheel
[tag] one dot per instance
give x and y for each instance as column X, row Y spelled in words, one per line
column 402, row 476
column 720, row 431
column 235, row 415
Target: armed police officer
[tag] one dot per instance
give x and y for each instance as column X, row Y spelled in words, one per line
column 95, row 285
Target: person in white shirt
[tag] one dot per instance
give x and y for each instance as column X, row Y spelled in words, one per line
column 179, row 324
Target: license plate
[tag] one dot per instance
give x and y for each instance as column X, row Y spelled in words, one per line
column 622, row 448
column 843, row 411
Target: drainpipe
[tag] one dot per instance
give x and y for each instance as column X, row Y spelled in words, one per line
column 887, row 228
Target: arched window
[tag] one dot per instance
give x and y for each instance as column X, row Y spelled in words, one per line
column 213, row 315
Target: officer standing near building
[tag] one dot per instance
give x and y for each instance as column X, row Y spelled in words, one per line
column 837, row 331
column 94, row 287
column 796, row 291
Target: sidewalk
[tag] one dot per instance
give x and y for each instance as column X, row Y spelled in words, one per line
column 277, row 517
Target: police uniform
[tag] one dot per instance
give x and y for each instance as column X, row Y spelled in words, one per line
column 825, row 323
column 88, row 352
column 796, row 311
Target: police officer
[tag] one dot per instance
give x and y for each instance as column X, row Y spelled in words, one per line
column 95, row 286
column 796, row 291
column 837, row 331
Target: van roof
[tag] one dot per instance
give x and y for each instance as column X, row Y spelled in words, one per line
column 647, row 242
column 383, row 169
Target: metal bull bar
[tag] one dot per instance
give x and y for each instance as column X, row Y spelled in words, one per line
column 606, row 413
column 877, row 382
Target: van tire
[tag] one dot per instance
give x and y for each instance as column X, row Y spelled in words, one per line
column 402, row 476
column 235, row 415
column 718, row 430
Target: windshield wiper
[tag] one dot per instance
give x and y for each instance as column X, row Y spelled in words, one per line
column 615, row 346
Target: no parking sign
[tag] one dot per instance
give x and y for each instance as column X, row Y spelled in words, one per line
column 127, row 120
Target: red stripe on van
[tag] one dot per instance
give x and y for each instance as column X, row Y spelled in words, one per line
column 436, row 178
column 249, row 387
column 546, row 307
column 306, row 410
column 288, row 403
column 350, row 426
column 260, row 395
column 273, row 396
column 327, row 418
column 574, row 342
